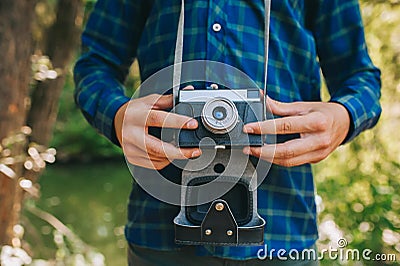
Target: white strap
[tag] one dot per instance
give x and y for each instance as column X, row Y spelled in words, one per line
column 266, row 41
column 176, row 82
column 179, row 47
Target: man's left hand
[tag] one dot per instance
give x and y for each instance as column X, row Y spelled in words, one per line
column 322, row 127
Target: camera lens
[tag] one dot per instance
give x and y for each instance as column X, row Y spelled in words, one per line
column 219, row 113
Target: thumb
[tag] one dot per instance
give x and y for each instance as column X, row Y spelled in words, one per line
column 162, row 102
column 285, row 109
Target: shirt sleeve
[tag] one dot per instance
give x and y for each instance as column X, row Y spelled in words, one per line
column 109, row 44
column 351, row 77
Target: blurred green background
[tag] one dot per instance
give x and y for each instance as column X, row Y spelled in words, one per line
column 358, row 186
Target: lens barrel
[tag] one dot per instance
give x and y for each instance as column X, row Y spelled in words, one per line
column 219, row 115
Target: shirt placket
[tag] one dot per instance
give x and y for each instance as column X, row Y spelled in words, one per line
column 216, row 32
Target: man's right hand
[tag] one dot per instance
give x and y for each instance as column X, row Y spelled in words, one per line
column 131, row 126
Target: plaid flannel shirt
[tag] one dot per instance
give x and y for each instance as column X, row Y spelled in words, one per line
column 305, row 37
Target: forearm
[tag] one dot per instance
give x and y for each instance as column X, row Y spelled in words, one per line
column 99, row 95
column 109, row 44
column 360, row 95
column 351, row 77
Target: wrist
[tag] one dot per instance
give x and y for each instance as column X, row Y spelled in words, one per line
column 343, row 121
column 119, row 120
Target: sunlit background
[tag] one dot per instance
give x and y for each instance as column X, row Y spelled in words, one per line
column 79, row 217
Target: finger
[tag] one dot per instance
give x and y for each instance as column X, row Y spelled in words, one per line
column 156, row 147
column 161, row 102
column 287, row 109
column 149, row 164
column 312, row 122
column 138, row 157
column 310, row 157
column 135, row 137
column 265, row 152
column 313, row 148
column 188, row 88
column 132, row 152
column 297, row 147
column 137, row 143
column 157, row 118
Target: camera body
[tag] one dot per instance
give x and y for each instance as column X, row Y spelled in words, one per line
column 218, row 198
column 221, row 115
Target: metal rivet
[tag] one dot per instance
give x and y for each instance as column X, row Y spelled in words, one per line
column 208, row 232
column 229, row 232
column 219, row 207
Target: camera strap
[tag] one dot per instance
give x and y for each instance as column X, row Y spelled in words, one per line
column 177, row 71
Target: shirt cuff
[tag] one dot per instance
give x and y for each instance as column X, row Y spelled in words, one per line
column 104, row 118
column 359, row 119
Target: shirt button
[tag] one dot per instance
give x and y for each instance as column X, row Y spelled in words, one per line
column 217, row 27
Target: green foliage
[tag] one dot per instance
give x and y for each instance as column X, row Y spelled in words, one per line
column 359, row 183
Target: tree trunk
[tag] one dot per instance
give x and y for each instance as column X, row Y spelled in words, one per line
column 62, row 40
column 15, row 74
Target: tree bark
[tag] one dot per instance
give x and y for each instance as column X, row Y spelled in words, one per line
column 15, row 74
column 62, row 40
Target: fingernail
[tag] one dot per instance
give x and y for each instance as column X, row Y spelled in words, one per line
column 248, row 129
column 247, row 150
column 192, row 124
column 190, row 87
column 196, row 153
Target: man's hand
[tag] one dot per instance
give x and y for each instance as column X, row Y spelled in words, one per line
column 322, row 127
column 131, row 125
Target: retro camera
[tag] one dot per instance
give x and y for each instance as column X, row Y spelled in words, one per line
column 231, row 218
column 221, row 115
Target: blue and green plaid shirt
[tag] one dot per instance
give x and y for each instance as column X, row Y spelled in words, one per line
column 306, row 36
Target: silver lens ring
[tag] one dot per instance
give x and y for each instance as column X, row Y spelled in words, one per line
column 219, row 115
